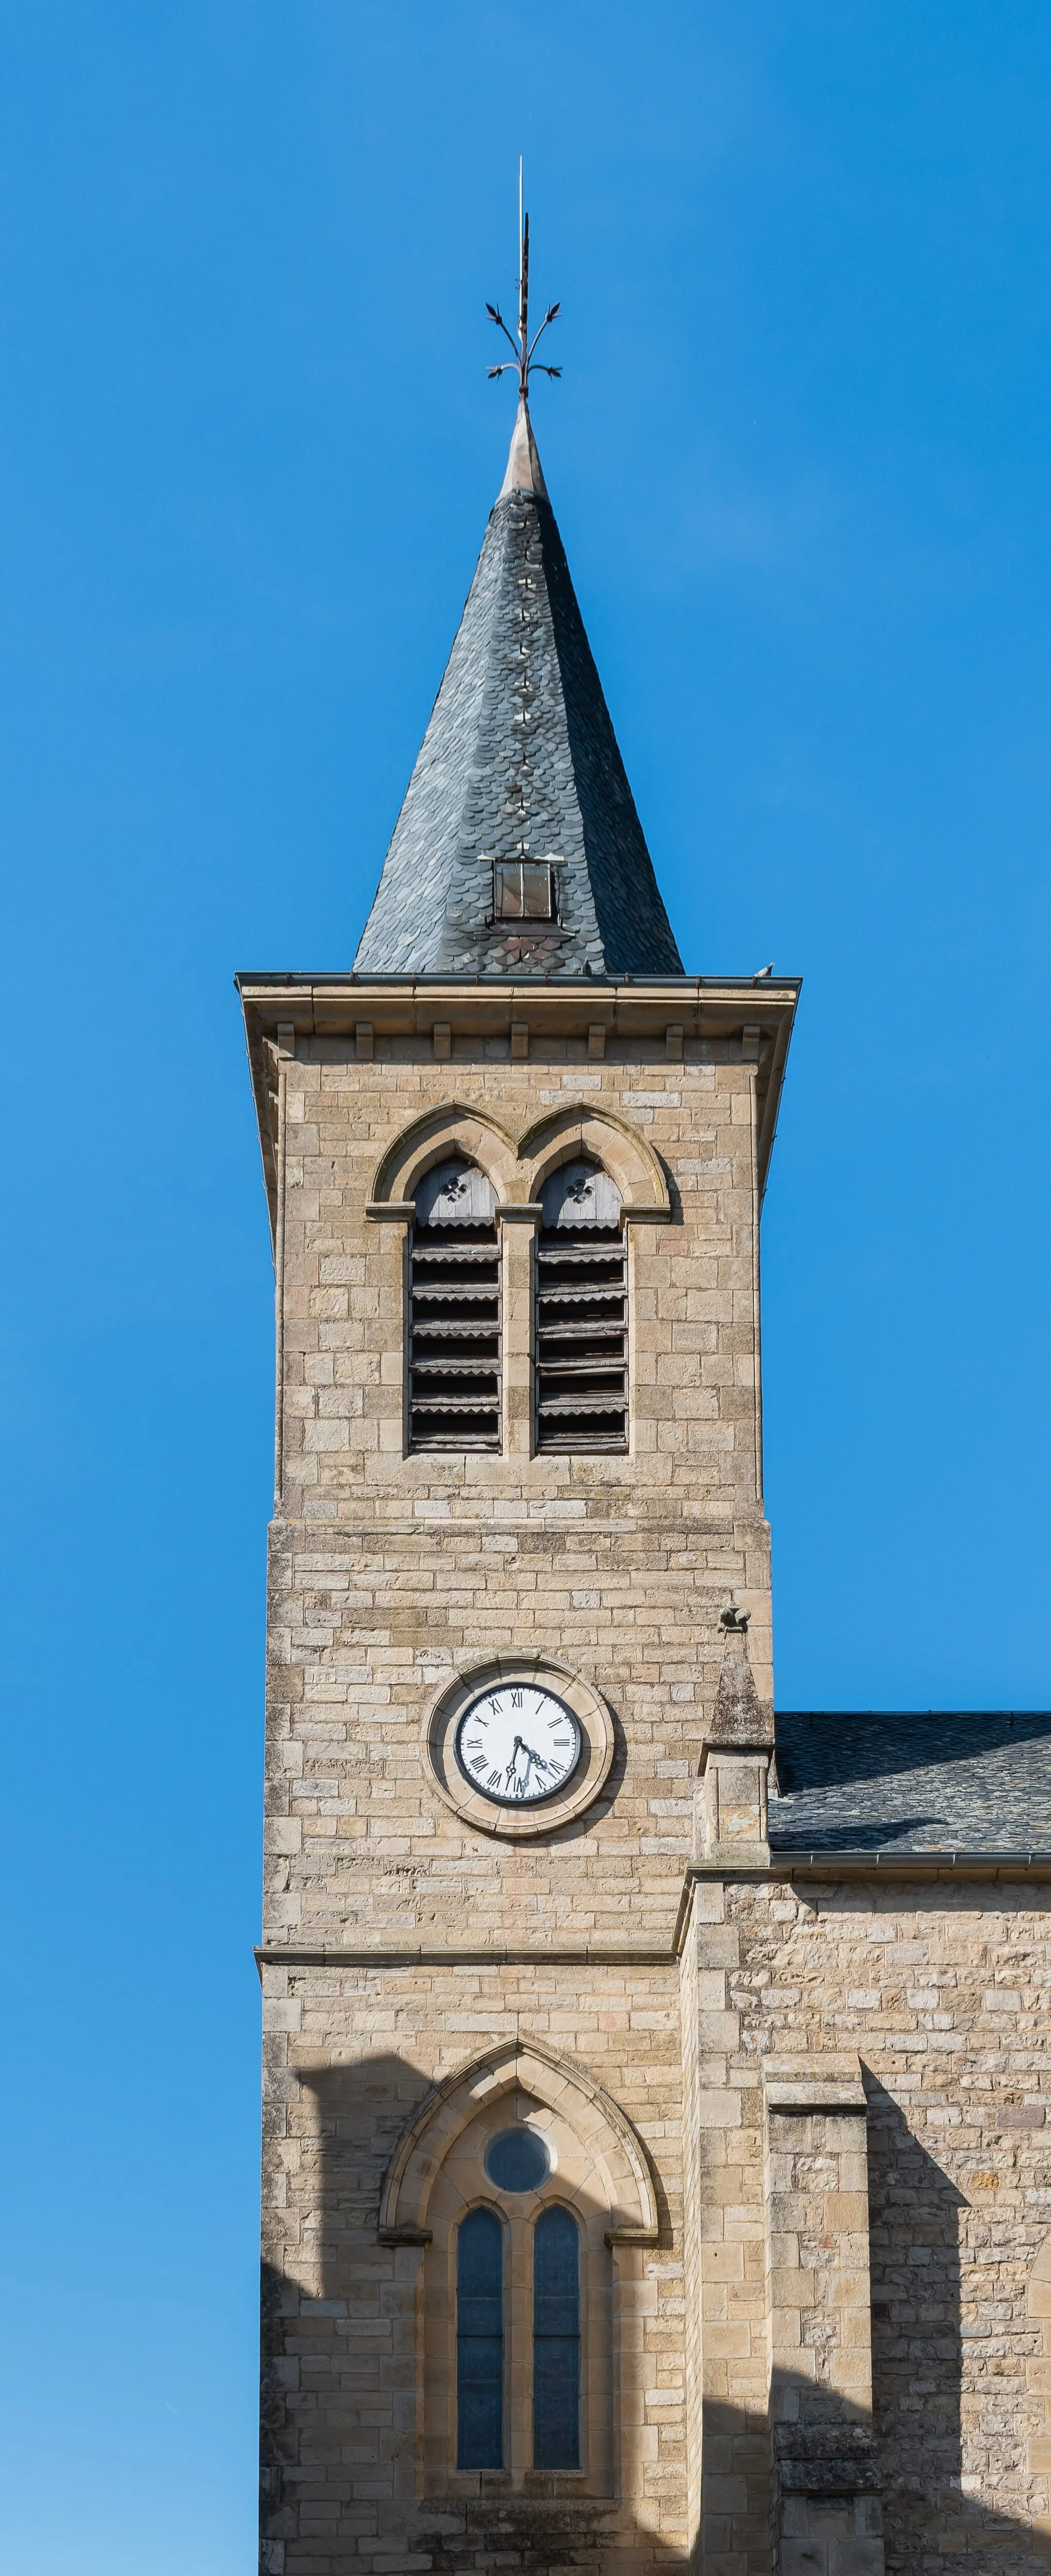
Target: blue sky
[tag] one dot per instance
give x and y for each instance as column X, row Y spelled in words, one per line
column 247, row 450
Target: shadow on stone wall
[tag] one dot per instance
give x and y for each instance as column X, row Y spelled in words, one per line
column 800, row 2496
column 339, row 2398
column 918, row 2345
column 917, row 2350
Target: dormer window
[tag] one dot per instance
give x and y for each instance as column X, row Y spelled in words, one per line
column 523, row 890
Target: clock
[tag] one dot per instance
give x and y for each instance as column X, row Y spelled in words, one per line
column 519, row 1747
column 517, row 1744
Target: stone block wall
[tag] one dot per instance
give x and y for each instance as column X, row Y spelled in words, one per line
column 400, row 1944
column 939, row 1992
column 350, row 2054
column 392, row 1572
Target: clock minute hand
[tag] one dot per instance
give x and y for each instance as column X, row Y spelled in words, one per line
column 512, row 1775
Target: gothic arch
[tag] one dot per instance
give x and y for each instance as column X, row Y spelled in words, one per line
column 521, row 2065
column 451, row 1127
column 582, row 1128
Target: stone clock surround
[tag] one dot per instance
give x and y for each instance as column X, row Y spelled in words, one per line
column 521, row 1824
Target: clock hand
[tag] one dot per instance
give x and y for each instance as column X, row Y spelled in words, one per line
column 530, row 1759
column 520, row 1779
column 511, row 1775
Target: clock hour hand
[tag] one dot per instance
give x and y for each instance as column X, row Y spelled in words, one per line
column 520, row 1779
column 531, row 1759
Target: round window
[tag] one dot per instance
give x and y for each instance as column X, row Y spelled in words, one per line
column 517, row 2160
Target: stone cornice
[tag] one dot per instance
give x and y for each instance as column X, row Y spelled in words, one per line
column 751, row 1021
column 696, row 1006
column 885, row 1863
column 580, row 1954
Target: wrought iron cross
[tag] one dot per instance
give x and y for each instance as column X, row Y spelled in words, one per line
column 522, row 360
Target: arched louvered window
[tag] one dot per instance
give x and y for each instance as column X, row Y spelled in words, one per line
column 454, row 1325
column 581, row 1323
column 480, row 2341
column 556, row 2341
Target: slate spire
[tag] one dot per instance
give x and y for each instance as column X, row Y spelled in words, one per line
column 519, row 763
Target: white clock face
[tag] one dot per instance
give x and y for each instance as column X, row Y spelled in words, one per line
column 517, row 1743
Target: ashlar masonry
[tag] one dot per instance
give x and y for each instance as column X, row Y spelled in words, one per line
column 655, row 2168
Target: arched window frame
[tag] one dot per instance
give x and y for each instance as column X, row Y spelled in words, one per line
column 481, row 2429
column 601, row 2172
column 518, row 2216
column 558, row 2390
column 599, row 1136
column 582, row 1372
column 454, row 1337
column 518, row 1171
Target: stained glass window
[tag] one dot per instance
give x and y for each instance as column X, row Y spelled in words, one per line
column 480, row 2342
column 517, row 2160
column 556, row 2341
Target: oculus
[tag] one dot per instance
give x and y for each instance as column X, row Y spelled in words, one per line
column 517, row 2160
column 517, row 1743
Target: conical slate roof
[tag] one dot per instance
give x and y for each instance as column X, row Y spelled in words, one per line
column 519, row 760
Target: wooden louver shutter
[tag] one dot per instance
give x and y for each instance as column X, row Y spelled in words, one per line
column 454, row 1326
column 581, row 1295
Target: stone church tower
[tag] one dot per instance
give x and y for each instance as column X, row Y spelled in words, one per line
column 654, row 2164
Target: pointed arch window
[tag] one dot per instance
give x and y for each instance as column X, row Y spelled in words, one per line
column 454, row 1317
column 480, row 2341
column 582, row 1312
column 517, row 2318
column 556, row 2341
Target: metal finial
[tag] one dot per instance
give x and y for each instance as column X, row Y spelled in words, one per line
column 523, row 359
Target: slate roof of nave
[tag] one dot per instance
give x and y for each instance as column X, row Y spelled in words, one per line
column 519, row 760
column 957, row 1782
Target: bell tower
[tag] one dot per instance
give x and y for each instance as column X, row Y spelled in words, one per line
column 514, row 1160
